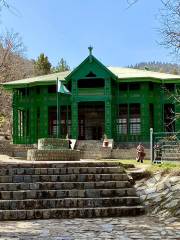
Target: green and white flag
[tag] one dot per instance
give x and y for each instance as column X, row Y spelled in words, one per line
column 61, row 88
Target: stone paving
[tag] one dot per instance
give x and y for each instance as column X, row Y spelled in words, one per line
column 92, row 229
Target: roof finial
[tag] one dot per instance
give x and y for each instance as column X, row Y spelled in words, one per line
column 90, row 50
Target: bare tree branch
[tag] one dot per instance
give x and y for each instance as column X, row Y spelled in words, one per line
column 11, row 8
column 170, row 25
column 131, row 3
column 10, row 44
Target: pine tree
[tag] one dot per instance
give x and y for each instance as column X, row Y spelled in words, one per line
column 62, row 66
column 42, row 66
column 174, row 71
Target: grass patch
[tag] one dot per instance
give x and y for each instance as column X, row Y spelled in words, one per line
column 165, row 168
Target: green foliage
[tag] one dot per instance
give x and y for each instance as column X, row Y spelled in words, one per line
column 158, row 67
column 62, row 66
column 175, row 71
column 42, row 66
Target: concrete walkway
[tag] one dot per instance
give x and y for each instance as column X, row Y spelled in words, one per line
column 91, row 229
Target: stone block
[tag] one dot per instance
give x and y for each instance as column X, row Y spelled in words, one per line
column 5, row 179
column 18, row 195
column 18, row 179
column 21, row 186
column 5, row 195
column 21, row 215
column 38, row 214
column 46, row 214
column 30, row 214
column 34, row 186
column 53, row 155
column 32, row 194
column 53, row 143
column 27, row 179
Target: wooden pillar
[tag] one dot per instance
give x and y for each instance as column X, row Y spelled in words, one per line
column 43, row 121
column 159, row 110
column 74, row 110
column 108, row 108
column 108, row 118
column 74, row 116
column 115, row 111
column 44, row 118
column 144, row 113
column 15, row 117
column 32, row 118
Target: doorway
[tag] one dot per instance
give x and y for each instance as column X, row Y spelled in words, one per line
column 91, row 120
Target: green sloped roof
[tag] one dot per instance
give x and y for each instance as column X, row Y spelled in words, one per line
column 39, row 80
column 138, row 73
column 121, row 73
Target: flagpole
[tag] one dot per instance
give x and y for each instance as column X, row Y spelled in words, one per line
column 61, row 89
column 67, row 108
column 57, row 113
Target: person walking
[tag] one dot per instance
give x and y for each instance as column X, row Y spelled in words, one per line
column 140, row 153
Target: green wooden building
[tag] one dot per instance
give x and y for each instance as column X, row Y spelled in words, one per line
column 122, row 103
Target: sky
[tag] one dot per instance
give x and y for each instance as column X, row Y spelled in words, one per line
column 65, row 28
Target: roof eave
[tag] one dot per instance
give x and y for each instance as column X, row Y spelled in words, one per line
column 22, row 85
column 147, row 79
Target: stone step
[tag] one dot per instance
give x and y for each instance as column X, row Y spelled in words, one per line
column 63, row 185
column 170, row 158
column 64, row 178
column 89, row 144
column 73, row 193
column 171, row 153
column 58, row 171
column 61, row 164
column 60, row 213
column 68, row 203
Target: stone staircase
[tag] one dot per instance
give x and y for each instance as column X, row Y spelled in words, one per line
column 90, row 149
column 66, row 190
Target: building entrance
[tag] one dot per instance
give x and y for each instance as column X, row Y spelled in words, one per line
column 91, row 120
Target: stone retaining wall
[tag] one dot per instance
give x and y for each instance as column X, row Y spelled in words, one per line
column 127, row 153
column 6, row 148
column 106, row 152
column 53, row 155
column 20, row 150
column 161, row 194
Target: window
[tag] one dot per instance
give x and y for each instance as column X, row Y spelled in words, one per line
column 23, row 122
column 122, row 121
column 134, row 119
column 129, row 86
column 23, row 91
column 91, row 83
column 135, row 126
column 134, row 86
column 52, row 89
column 169, row 86
column 65, row 120
column 151, row 86
column 131, row 125
column 37, row 90
column 123, row 86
